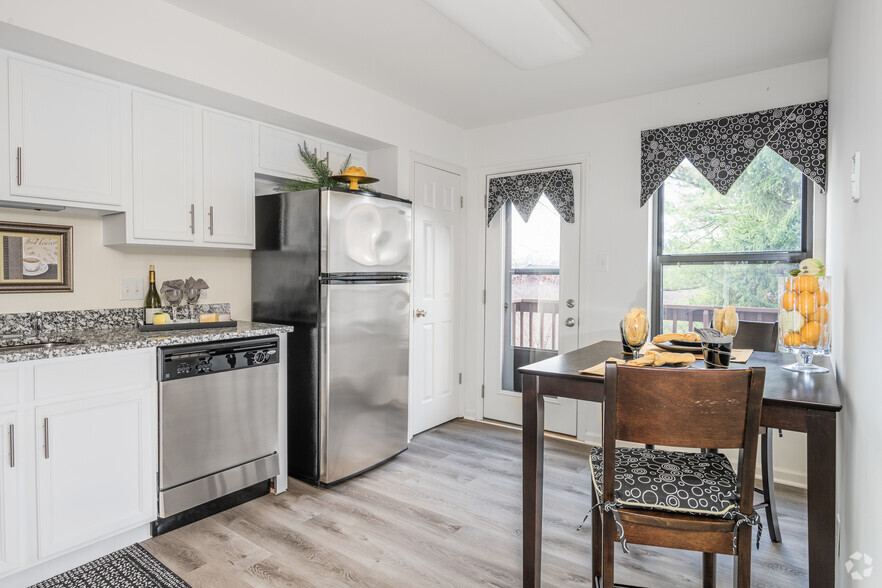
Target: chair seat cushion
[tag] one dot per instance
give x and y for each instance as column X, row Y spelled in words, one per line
column 673, row 481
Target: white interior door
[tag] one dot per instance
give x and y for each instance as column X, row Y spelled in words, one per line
column 436, row 205
column 532, row 306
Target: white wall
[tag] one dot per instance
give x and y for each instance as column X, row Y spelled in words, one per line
column 613, row 223
column 853, row 243
column 97, row 269
column 151, row 34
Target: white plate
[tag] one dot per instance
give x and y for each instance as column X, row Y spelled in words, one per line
column 41, row 269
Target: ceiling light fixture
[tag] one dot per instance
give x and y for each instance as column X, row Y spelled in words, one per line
column 528, row 33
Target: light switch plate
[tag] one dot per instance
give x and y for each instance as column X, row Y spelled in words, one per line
column 131, row 289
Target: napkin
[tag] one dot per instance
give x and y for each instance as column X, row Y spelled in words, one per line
column 741, row 355
column 654, row 358
column 598, row 370
column 653, row 348
column 714, row 336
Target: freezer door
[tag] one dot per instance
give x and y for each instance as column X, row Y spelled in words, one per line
column 364, row 234
column 364, row 376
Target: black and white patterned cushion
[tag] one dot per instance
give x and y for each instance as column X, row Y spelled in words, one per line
column 674, row 481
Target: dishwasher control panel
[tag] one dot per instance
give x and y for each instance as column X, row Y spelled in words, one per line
column 202, row 359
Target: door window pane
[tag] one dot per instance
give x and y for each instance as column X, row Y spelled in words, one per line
column 532, row 291
column 536, row 243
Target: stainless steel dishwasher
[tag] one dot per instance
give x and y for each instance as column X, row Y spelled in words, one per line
column 218, row 420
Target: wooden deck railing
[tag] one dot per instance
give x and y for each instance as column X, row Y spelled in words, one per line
column 685, row 316
column 534, row 322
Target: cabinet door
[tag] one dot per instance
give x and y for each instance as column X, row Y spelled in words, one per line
column 228, row 180
column 64, row 135
column 96, row 469
column 336, row 156
column 162, row 173
column 10, row 442
column 278, row 152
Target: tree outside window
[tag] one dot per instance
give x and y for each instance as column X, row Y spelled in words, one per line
column 715, row 250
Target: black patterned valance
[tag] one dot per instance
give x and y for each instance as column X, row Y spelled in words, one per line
column 722, row 148
column 524, row 191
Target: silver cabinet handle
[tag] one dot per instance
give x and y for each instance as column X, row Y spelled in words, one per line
column 12, row 446
column 192, row 219
column 18, row 166
column 570, row 322
column 211, row 220
column 420, row 313
column 571, row 303
column 46, row 438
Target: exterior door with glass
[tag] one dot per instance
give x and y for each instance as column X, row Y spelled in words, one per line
column 532, row 305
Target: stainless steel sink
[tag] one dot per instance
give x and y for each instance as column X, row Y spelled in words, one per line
column 34, row 343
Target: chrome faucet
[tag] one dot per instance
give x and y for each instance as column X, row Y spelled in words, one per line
column 38, row 323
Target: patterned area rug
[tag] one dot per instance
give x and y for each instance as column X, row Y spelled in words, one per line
column 130, row 567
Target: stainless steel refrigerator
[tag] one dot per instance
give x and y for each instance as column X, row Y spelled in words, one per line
column 335, row 265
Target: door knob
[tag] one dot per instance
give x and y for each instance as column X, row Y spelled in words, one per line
column 571, row 303
column 420, row 313
column 570, row 322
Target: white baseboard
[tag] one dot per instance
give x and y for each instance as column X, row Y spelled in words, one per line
column 45, row 570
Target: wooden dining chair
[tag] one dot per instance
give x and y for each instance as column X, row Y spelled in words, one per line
column 761, row 336
column 683, row 500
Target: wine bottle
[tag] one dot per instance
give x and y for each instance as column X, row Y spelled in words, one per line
column 152, row 302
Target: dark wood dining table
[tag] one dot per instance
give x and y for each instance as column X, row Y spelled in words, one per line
column 792, row 401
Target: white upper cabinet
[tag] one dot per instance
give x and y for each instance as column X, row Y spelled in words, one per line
column 336, row 156
column 64, row 136
column 227, row 179
column 279, row 153
column 163, row 178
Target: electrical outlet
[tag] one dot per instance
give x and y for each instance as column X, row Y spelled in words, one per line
column 131, row 289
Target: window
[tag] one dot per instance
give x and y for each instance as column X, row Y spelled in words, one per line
column 714, row 250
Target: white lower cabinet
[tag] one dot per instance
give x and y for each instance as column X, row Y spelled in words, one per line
column 85, row 464
column 92, row 472
column 9, row 502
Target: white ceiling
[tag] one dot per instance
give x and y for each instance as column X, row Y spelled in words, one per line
column 407, row 50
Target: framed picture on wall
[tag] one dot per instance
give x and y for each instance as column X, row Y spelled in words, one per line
column 35, row 258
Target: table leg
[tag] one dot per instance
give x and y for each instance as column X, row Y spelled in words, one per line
column 534, row 444
column 821, row 480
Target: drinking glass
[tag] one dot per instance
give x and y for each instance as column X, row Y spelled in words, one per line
column 174, row 297
column 638, row 335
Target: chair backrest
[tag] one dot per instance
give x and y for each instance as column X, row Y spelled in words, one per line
column 692, row 408
column 757, row 336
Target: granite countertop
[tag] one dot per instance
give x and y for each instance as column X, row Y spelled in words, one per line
column 120, row 338
column 101, row 331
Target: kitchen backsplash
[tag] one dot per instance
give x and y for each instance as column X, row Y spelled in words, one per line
column 80, row 320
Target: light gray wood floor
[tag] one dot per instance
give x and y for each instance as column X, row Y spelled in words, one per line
column 446, row 512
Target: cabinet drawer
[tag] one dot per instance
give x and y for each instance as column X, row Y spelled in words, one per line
column 94, row 374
